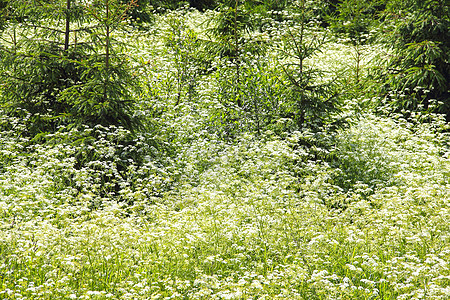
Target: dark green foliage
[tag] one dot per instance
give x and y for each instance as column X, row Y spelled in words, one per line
column 140, row 11
column 354, row 19
column 111, row 159
column 418, row 73
column 32, row 84
column 3, row 13
column 104, row 93
column 275, row 4
column 52, row 81
column 33, row 12
column 203, row 4
column 56, row 79
column 37, row 63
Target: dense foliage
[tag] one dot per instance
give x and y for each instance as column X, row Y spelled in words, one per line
column 227, row 150
column 418, row 71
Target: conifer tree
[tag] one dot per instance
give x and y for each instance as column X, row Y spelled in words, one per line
column 419, row 68
column 310, row 102
column 104, row 95
column 38, row 61
column 56, row 70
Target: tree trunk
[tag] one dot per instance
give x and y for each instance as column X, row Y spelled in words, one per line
column 67, row 32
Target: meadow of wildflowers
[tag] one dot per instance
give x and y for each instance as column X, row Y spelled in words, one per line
column 256, row 218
